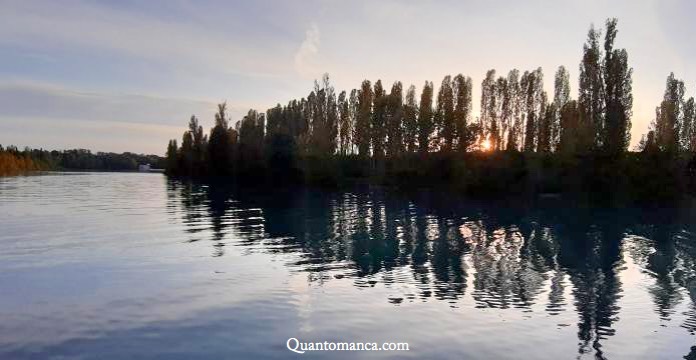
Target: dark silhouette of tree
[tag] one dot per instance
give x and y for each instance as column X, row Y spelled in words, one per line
column 362, row 133
column 591, row 92
column 688, row 133
column 353, row 111
column 394, row 121
column 221, row 143
column 411, row 120
column 379, row 118
column 425, row 118
column 577, row 132
column 669, row 116
column 618, row 95
column 546, row 129
column 345, row 124
column 514, row 103
column 186, row 154
column 444, row 117
column 561, row 96
column 323, row 115
column 505, row 112
column 172, row 157
column 532, row 85
column 488, row 118
column 251, row 141
column 462, row 88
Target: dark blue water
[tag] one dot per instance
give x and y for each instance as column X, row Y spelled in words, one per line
column 133, row 266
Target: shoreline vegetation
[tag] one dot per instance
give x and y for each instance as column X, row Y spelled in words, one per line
column 16, row 162
column 521, row 142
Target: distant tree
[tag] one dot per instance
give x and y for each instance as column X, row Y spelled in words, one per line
column 571, row 128
column 488, row 119
column 618, row 94
column 379, row 117
column 220, row 144
column 462, row 88
column 172, row 158
column 591, row 93
column 362, row 132
column 345, row 125
column 425, row 118
column 251, row 140
column 353, row 111
column 394, row 120
column 669, row 116
column 323, row 118
column 515, row 99
column 561, row 96
column 647, row 143
column 410, row 120
column 280, row 141
column 186, row 155
column 561, row 87
column 445, row 115
column 688, row 133
column 545, row 129
column 199, row 146
column 532, row 84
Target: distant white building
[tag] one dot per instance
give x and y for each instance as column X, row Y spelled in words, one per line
column 144, row 167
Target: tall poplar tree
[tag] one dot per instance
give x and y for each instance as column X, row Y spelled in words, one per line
column 379, row 116
column 445, row 114
column 362, row 132
column 618, row 94
column 462, row 88
column 425, row 118
column 591, row 92
column 411, row 120
column 394, row 121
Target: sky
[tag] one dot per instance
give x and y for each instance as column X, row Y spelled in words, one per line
column 126, row 75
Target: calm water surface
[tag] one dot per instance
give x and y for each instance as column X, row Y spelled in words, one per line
column 133, row 266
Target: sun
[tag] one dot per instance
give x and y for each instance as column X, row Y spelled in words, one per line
column 485, row 145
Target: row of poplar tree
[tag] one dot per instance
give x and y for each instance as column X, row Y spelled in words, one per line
column 516, row 114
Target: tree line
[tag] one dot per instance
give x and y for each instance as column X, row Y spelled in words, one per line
column 14, row 161
column 385, row 127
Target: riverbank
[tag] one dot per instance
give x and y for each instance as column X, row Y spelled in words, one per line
column 631, row 178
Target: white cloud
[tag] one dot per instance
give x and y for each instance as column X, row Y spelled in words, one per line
column 306, row 62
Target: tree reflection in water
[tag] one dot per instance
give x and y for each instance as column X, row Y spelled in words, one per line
column 509, row 256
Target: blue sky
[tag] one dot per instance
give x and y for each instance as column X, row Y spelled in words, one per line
column 127, row 75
